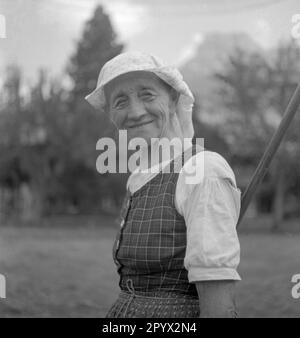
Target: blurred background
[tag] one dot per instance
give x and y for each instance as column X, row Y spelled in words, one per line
column 58, row 214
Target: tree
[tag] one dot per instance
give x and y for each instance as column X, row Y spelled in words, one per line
column 33, row 140
column 11, row 108
column 284, row 75
column 97, row 45
column 254, row 91
column 48, row 136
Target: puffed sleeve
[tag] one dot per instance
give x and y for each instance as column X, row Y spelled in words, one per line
column 211, row 210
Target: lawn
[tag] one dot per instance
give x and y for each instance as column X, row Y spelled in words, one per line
column 64, row 269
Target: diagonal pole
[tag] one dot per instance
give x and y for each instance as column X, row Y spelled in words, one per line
column 272, row 147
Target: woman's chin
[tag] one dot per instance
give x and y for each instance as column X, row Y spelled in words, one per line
column 145, row 134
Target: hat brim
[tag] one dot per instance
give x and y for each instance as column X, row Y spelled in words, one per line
column 169, row 75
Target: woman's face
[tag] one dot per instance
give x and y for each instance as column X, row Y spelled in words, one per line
column 140, row 102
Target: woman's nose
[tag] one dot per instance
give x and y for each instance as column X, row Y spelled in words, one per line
column 135, row 109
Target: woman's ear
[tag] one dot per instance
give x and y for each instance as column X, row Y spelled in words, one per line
column 106, row 109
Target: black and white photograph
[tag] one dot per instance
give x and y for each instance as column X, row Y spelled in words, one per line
column 150, row 161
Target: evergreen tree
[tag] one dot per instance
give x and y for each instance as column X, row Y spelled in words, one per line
column 97, row 45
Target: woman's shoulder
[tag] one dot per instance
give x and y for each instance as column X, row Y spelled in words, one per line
column 209, row 164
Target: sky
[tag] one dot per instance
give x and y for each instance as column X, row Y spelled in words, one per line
column 43, row 33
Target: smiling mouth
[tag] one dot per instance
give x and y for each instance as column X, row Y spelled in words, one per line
column 140, row 124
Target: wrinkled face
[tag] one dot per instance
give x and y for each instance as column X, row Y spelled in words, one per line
column 140, row 102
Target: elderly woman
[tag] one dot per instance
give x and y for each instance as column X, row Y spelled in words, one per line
column 177, row 249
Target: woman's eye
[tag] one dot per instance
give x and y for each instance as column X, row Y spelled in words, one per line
column 148, row 96
column 120, row 104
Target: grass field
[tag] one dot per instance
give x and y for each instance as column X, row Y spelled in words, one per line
column 66, row 270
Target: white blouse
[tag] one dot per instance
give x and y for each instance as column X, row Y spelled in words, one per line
column 211, row 209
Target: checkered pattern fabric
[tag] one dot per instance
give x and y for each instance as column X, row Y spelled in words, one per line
column 154, row 305
column 151, row 242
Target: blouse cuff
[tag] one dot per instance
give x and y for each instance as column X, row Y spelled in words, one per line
column 205, row 274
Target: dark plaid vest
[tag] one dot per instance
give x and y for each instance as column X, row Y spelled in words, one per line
column 151, row 243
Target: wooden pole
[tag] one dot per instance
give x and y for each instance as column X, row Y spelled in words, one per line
column 272, row 147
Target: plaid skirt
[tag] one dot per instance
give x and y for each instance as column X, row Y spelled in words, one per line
column 153, row 304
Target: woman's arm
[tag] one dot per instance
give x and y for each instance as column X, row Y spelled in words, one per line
column 217, row 299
